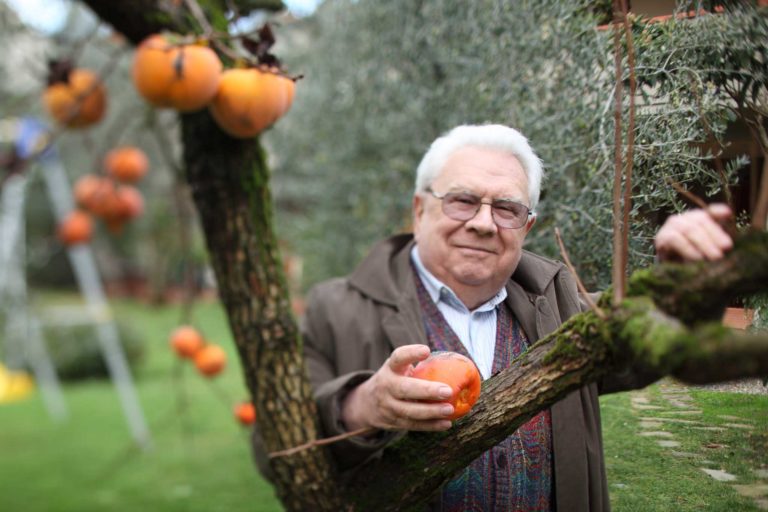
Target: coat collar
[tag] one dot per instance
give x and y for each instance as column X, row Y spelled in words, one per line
column 385, row 275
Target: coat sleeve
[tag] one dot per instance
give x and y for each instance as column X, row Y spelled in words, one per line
column 327, row 333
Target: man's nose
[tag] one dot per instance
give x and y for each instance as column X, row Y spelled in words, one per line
column 483, row 221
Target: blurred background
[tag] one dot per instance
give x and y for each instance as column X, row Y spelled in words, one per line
column 380, row 81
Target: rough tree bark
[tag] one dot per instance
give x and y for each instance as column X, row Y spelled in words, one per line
column 229, row 179
column 657, row 326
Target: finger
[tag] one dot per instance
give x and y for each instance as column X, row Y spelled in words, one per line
column 721, row 212
column 704, row 243
column 678, row 245
column 718, row 237
column 404, row 412
column 409, row 388
column 403, row 357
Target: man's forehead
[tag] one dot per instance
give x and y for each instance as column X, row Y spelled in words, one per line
column 471, row 160
column 501, row 176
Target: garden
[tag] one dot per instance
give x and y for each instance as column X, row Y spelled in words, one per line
column 177, row 176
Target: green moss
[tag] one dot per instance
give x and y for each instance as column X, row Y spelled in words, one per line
column 586, row 328
column 661, row 280
column 653, row 338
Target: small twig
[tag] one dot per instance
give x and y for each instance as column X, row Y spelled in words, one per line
column 716, row 160
column 184, row 215
column 618, row 270
column 226, row 50
column 594, row 307
column 220, row 393
column 114, row 135
column 199, row 15
column 165, row 145
column 729, row 226
column 690, row 196
column 629, row 161
column 78, row 47
column 51, row 136
column 761, row 208
column 321, row 442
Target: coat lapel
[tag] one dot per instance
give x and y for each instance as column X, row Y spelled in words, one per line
column 403, row 325
column 538, row 319
column 523, row 307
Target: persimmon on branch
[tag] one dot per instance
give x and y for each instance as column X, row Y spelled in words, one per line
column 657, row 329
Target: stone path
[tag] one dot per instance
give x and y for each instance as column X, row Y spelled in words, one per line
column 677, row 406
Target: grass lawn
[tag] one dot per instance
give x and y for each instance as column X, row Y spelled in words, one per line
column 201, row 460
column 644, row 476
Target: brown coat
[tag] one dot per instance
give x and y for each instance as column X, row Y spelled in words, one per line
column 352, row 324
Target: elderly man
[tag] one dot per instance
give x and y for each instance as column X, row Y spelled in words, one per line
column 463, row 282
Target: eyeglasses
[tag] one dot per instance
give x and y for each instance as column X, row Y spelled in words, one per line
column 464, row 206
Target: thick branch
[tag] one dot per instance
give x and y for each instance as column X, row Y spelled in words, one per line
column 136, row 19
column 582, row 351
column 724, row 355
column 700, row 292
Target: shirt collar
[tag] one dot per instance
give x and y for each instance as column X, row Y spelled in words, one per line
column 440, row 292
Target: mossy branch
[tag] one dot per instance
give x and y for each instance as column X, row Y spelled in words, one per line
column 699, row 292
column 638, row 339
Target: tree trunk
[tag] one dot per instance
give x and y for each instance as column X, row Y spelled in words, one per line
column 229, row 180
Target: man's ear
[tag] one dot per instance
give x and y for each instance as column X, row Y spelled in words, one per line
column 417, row 207
column 529, row 224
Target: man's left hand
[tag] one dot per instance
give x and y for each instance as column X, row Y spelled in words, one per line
column 695, row 235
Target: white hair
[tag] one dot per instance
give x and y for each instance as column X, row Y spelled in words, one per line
column 493, row 136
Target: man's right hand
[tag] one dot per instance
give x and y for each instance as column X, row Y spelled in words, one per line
column 393, row 400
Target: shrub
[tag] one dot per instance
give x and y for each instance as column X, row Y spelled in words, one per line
column 77, row 355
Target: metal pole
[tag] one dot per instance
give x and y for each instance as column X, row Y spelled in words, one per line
column 84, row 266
column 24, row 337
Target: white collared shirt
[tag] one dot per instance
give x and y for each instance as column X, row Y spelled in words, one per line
column 477, row 328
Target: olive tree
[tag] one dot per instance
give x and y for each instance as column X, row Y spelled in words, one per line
column 667, row 322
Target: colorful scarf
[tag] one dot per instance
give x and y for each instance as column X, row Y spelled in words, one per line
column 516, row 474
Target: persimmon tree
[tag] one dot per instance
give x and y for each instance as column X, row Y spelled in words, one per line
column 667, row 321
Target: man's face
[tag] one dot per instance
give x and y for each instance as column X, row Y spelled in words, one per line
column 474, row 257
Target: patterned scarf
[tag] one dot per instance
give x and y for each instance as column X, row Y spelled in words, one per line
column 516, row 474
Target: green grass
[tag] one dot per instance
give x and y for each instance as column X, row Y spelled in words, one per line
column 200, row 460
column 646, row 477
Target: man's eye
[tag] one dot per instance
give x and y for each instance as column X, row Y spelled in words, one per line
column 512, row 209
column 465, row 199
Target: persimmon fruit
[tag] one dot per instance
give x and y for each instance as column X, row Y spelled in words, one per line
column 250, row 100
column 245, row 413
column 458, row 372
column 210, row 360
column 127, row 164
column 122, row 203
column 186, row 341
column 76, row 228
column 88, row 188
column 79, row 100
column 180, row 76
